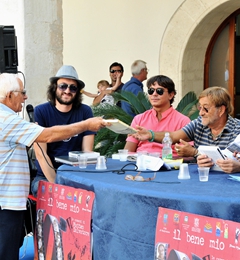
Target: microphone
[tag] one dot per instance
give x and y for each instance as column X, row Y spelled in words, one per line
column 30, row 111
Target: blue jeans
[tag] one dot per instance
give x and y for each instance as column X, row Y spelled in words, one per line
column 34, row 184
column 11, row 233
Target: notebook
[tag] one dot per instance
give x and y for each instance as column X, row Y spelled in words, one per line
column 72, row 160
column 72, row 157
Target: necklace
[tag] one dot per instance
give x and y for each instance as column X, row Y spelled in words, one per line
column 215, row 137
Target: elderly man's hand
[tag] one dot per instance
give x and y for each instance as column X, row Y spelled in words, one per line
column 204, row 161
column 184, row 149
column 96, row 123
column 229, row 165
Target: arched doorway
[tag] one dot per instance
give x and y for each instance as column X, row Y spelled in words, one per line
column 186, row 39
column 222, row 60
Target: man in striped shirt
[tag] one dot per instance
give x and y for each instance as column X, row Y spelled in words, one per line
column 16, row 135
column 214, row 126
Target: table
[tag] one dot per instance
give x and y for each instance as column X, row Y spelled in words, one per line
column 125, row 212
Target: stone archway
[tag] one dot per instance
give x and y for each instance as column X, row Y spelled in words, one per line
column 183, row 47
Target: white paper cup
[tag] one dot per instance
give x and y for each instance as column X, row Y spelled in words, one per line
column 183, row 172
column 101, row 163
column 82, row 161
column 203, row 173
column 123, row 153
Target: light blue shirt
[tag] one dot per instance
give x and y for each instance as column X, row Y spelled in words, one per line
column 15, row 135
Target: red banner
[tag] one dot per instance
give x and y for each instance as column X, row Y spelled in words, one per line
column 185, row 236
column 63, row 222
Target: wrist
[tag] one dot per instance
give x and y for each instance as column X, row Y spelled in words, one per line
column 196, row 153
column 152, row 137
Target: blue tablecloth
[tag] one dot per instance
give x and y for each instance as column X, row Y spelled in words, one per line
column 125, row 212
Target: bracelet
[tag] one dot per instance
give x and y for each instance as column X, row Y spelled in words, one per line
column 153, row 136
column 196, row 154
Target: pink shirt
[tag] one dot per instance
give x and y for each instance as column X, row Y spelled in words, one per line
column 171, row 120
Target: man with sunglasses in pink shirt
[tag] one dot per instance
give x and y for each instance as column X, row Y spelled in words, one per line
column 162, row 116
column 64, row 107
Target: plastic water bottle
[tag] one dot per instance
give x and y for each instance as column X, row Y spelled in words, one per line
column 167, row 147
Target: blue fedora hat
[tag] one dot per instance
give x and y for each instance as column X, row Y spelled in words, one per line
column 67, row 72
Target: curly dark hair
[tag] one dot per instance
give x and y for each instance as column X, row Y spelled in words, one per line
column 51, row 96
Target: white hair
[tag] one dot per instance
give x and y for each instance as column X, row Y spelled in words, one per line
column 137, row 66
column 8, row 82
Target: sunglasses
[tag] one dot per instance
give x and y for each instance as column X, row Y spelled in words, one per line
column 159, row 91
column 204, row 108
column 113, row 71
column 139, row 178
column 64, row 86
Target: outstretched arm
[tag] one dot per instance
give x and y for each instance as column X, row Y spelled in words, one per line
column 144, row 134
column 61, row 132
column 91, row 95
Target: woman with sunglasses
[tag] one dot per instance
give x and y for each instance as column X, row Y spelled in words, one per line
column 162, row 116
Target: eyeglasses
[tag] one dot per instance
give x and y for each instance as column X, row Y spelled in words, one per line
column 139, row 178
column 64, row 86
column 159, row 91
column 147, row 70
column 23, row 92
column 113, row 71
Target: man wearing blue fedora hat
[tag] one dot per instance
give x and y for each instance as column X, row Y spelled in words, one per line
column 64, row 107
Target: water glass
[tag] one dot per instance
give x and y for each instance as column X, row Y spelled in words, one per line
column 123, row 153
column 203, row 173
column 82, row 161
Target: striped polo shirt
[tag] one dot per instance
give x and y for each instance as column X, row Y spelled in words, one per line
column 201, row 135
column 16, row 134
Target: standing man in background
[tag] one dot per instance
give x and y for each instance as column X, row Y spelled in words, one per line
column 64, row 107
column 116, row 71
column 105, row 89
column 139, row 74
column 16, row 135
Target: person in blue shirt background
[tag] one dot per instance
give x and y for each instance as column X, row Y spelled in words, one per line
column 139, row 74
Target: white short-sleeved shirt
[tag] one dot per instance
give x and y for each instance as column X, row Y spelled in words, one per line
column 15, row 135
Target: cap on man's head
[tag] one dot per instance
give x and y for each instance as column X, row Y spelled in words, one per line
column 67, row 72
